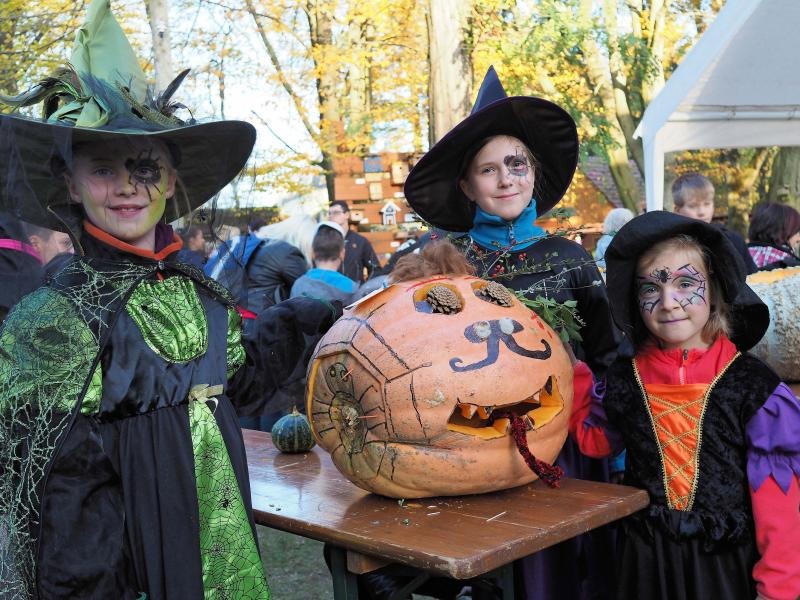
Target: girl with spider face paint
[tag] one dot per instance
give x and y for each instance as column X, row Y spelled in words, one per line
column 123, row 187
column 673, row 295
column 124, row 374
column 710, row 431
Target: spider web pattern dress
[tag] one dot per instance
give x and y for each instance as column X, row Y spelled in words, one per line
column 123, row 472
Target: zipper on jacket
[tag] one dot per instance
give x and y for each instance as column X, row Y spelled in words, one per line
column 682, row 369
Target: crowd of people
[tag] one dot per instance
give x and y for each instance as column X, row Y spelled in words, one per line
column 130, row 356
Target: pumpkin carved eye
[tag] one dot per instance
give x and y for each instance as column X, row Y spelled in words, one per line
column 493, row 292
column 438, row 298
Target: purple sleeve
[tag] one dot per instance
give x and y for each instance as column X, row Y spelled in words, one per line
column 597, row 417
column 773, row 437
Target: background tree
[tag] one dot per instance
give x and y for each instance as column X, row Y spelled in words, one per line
column 158, row 17
column 449, row 64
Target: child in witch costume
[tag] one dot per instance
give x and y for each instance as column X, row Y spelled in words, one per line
column 122, row 466
column 711, row 432
column 510, row 161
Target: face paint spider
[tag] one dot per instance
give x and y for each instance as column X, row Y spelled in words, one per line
column 673, row 298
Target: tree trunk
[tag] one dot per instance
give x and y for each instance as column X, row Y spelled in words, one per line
column 450, row 66
column 331, row 129
column 158, row 17
column 784, row 184
column 358, row 128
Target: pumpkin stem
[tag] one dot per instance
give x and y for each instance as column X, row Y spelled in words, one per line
column 548, row 473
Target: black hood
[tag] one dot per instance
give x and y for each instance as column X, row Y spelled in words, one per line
column 749, row 316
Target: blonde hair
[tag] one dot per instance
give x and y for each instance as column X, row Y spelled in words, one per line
column 687, row 183
column 299, row 231
column 719, row 315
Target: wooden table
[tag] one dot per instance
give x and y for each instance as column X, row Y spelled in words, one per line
column 459, row 537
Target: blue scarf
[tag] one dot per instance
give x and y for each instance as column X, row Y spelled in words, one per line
column 495, row 233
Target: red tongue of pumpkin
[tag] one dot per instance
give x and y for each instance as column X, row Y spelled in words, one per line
column 550, row 474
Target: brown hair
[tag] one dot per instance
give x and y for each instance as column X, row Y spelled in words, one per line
column 719, row 315
column 773, row 223
column 328, row 244
column 435, row 258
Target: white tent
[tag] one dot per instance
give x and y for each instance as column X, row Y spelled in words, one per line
column 739, row 86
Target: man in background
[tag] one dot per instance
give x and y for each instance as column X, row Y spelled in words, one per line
column 359, row 256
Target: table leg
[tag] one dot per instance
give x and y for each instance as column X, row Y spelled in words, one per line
column 345, row 584
column 506, row 578
column 411, row 586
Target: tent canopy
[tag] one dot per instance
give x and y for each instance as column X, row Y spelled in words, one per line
column 739, row 86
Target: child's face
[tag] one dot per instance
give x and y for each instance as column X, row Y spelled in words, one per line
column 699, row 204
column 500, row 178
column 672, row 291
column 123, row 187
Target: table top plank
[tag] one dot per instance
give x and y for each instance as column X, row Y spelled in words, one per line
column 459, row 537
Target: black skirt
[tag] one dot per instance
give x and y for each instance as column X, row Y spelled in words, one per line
column 656, row 566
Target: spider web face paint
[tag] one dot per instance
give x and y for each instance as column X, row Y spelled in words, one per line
column 691, row 286
column 648, row 296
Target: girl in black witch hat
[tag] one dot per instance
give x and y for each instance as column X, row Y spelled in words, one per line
column 122, row 466
column 506, row 164
column 711, row 432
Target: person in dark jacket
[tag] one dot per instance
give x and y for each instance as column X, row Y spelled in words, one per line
column 194, row 246
column 360, row 259
column 774, row 236
column 693, row 196
column 265, row 270
column 271, row 274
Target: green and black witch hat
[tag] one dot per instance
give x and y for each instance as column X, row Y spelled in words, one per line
column 102, row 95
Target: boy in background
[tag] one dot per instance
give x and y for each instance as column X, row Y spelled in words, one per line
column 324, row 281
column 693, row 196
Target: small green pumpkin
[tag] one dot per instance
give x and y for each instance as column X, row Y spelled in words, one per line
column 292, row 433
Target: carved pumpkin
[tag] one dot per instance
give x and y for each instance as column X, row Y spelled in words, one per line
column 405, row 389
column 780, row 346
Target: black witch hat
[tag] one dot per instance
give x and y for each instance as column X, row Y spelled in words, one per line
column 749, row 316
column 432, row 186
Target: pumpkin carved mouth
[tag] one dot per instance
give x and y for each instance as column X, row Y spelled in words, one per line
column 494, row 420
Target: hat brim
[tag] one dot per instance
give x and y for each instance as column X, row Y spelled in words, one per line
column 432, row 188
column 749, row 316
column 211, row 155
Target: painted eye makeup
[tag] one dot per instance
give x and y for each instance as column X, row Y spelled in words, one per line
column 691, row 286
column 144, row 169
column 517, row 164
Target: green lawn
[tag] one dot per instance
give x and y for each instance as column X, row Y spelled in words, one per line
column 295, row 567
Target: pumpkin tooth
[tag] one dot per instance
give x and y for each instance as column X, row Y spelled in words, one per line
column 485, row 411
column 467, row 409
column 502, row 425
column 528, row 422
